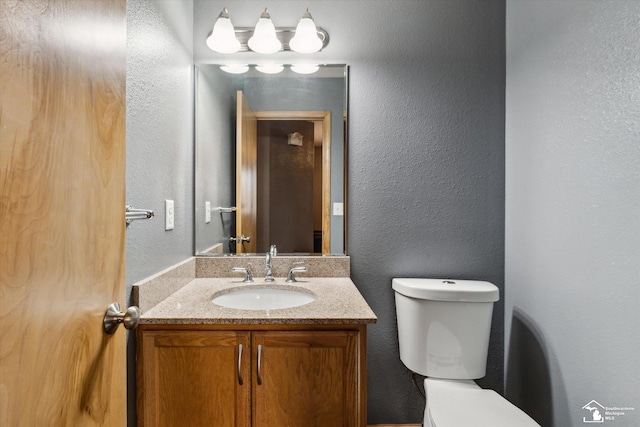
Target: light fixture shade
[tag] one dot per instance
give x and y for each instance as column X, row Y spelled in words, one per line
column 264, row 39
column 306, row 39
column 223, row 37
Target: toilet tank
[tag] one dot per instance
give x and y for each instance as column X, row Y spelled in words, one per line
column 444, row 326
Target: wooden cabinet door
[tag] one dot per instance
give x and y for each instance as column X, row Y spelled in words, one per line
column 307, row 379
column 194, row 378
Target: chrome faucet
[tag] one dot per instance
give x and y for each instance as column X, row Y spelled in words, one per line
column 248, row 278
column 291, row 277
column 267, row 263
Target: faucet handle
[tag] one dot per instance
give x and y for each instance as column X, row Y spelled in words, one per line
column 248, row 276
column 291, row 277
column 273, row 251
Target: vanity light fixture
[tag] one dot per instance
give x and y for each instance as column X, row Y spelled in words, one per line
column 265, row 37
column 223, row 36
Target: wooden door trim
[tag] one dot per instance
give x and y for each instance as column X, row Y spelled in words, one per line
column 325, row 117
column 246, row 153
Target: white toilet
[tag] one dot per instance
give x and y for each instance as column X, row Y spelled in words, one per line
column 443, row 332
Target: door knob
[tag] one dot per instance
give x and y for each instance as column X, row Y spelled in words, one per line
column 114, row 317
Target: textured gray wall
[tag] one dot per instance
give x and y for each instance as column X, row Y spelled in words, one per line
column 425, row 193
column 572, row 208
column 159, row 132
column 426, row 169
column 159, row 142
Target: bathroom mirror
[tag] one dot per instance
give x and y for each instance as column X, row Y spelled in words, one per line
column 270, row 160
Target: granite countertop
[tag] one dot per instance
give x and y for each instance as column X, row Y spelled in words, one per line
column 338, row 301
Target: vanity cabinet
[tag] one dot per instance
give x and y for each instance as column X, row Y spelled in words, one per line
column 261, row 375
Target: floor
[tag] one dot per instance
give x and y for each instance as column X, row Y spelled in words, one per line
column 394, row 425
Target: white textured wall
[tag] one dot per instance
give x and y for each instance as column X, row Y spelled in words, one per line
column 573, row 206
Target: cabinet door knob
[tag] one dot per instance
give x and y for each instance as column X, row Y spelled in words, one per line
column 240, row 364
column 259, row 357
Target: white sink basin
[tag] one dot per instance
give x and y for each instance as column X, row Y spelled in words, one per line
column 263, row 297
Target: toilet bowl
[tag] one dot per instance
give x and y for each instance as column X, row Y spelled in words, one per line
column 462, row 403
column 443, row 334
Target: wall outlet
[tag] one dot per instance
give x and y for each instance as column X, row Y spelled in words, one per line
column 207, row 212
column 338, row 209
column 169, row 215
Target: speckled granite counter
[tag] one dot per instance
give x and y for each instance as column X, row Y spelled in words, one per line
column 338, row 301
column 319, row 266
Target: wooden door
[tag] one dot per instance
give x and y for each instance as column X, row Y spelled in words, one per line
column 246, row 175
column 194, row 378
column 307, row 379
column 62, row 189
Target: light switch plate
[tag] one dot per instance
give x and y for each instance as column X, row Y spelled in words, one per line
column 207, row 212
column 338, row 209
column 169, row 215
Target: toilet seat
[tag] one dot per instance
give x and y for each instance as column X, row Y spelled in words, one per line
column 460, row 404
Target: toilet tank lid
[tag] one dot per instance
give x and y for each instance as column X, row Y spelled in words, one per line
column 446, row 289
